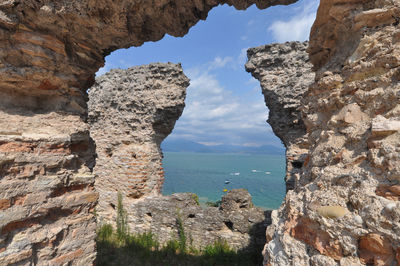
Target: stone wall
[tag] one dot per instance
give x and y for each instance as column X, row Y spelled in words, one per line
column 284, row 72
column 236, row 221
column 130, row 113
column 46, row 189
column 345, row 209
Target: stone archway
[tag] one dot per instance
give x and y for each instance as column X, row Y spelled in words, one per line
column 50, row 51
column 49, row 54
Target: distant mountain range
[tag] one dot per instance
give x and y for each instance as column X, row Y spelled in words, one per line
column 191, row 146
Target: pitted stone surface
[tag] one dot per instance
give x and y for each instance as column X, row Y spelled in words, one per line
column 236, row 221
column 130, row 113
column 351, row 114
column 284, row 72
column 46, row 190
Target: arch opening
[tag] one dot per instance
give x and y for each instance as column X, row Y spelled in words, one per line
column 205, row 75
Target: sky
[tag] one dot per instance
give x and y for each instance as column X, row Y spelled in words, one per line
column 224, row 104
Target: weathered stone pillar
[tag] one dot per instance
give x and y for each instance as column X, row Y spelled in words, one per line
column 345, row 209
column 130, row 113
column 46, row 154
column 47, row 192
column 284, row 72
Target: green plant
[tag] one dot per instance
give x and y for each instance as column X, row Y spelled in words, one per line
column 119, row 247
column 181, row 234
column 105, row 232
column 122, row 217
column 171, row 247
column 145, row 240
column 218, row 248
column 195, row 198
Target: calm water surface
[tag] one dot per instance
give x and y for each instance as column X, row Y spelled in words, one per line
column 205, row 174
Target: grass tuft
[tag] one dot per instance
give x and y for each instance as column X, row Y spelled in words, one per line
column 196, row 198
column 122, row 220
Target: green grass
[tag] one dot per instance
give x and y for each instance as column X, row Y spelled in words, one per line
column 144, row 249
column 195, row 198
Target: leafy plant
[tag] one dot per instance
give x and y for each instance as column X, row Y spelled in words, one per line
column 143, row 241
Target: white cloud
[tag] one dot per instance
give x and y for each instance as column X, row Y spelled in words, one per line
column 242, row 58
column 297, row 27
column 211, row 143
column 213, row 114
column 220, row 62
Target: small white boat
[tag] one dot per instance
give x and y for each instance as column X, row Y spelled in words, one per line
column 234, row 173
column 254, row 171
column 267, row 173
column 227, row 181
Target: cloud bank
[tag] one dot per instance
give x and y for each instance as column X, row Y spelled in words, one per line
column 216, row 115
column 297, row 27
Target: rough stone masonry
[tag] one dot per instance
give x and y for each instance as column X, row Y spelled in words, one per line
column 130, row 113
column 345, row 209
column 49, row 53
column 236, row 221
column 284, row 72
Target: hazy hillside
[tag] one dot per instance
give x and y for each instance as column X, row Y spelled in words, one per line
column 191, row 146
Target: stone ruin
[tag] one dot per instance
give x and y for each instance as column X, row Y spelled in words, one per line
column 284, row 72
column 130, row 113
column 344, row 206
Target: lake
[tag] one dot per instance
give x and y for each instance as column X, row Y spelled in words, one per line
column 208, row 174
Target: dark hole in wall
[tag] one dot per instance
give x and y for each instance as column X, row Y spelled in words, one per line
column 350, row 206
column 191, row 215
column 149, row 214
column 229, row 224
column 112, row 206
column 297, row 164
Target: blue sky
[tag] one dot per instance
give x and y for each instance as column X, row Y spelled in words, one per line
column 224, row 104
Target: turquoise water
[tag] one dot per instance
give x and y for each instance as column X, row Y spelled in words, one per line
column 205, row 174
